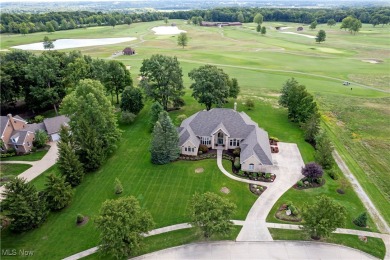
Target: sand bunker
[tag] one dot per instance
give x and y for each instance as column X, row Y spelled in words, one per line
column 74, row 43
column 372, row 61
column 305, row 35
column 225, row 190
column 167, row 30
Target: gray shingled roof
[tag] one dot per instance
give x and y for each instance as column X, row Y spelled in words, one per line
column 53, row 125
column 3, row 123
column 22, row 136
column 34, row 127
column 236, row 124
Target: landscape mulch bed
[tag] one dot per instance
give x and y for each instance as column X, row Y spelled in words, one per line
column 309, row 186
column 281, row 215
column 254, row 190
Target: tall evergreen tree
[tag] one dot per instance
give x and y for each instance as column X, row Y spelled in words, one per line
column 324, row 150
column 234, row 88
column 164, row 147
column 26, row 208
column 68, row 162
column 58, row 192
column 155, row 111
column 93, row 122
column 311, row 128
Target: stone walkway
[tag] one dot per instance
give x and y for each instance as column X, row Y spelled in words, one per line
column 38, row 167
column 231, row 176
column 288, row 164
column 375, row 214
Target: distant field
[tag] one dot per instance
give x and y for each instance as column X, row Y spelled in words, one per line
column 357, row 118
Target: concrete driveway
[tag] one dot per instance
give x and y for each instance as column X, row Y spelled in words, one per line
column 259, row 250
column 287, row 167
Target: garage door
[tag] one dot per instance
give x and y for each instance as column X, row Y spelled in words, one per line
column 55, row 137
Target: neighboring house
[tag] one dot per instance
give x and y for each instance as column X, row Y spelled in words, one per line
column 18, row 134
column 53, row 126
column 128, row 51
column 222, row 128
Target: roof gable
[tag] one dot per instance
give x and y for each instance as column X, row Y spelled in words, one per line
column 53, row 125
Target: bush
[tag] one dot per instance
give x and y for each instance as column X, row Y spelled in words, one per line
column 40, row 138
column 79, row 219
column 300, row 183
column 267, row 175
column 237, row 163
column 127, row 117
column 200, row 152
column 249, row 104
column 203, row 148
column 274, row 138
column 293, row 209
column 237, row 151
column 180, row 118
column 312, row 171
column 34, row 149
column 361, row 220
column 39, row 119
column 319, row 180
column 118, row 186
column 333, row 174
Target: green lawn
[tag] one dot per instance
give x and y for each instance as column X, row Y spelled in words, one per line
column 374, row 246
column 34, row 156
column 11, row 170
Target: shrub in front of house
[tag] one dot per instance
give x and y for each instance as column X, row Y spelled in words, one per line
column 236, row 152
column 203, row 148
column 237, row 164
column 312, row 171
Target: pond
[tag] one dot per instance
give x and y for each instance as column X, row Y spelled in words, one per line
column 167, row 30
column 74, row 43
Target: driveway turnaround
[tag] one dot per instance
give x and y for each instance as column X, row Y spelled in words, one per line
column 259, row 250
column 288, row 164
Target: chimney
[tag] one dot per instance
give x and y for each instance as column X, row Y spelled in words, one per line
column 235, row 106
column 11, row 119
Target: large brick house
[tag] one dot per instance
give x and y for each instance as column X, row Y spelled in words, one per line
column 18, row 134
column 222, row 128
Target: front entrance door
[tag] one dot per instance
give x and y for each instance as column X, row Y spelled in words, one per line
column 220, row 138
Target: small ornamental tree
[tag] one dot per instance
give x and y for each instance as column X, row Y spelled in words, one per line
column 122, row 224
column 324, row 150
column 234, row 88
column 361, row 220
column 41, row 138
column 58, row 192
column 323, row 217
column 258, row 18
column 263, row 30
column 312, row 171
column 118, row 186
column 132, row 100
column 164, row 146
column 313, row 25
column 258, row 28
column 211, row 214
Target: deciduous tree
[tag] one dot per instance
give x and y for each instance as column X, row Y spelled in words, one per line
column 321, row 36
column 313, row 25
column 258, row 18
column 182, row 39
column 58, row 192
column 311, row 128
column 323, row 217
column 41, row 138
column 93, row 122
column 165, row 140
column 211, row 214
column 331, row 22
column 263, row 30
column 211, row 86
column 162, row 79
column 132, row 100
column 122, row 223
column 234, row 88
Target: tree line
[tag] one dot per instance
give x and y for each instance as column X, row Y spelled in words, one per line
column 55, row 21
column 43, row 80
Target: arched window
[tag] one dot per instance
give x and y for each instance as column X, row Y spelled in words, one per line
column 251, row 166
column 220, row 138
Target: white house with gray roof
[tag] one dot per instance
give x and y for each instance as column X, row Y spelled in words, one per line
column 222, row 128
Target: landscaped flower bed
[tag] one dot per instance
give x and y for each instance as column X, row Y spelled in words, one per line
column 306, row 184
column 288, row 212
column 257, row 189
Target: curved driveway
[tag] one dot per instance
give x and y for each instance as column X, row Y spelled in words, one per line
column 259, row 250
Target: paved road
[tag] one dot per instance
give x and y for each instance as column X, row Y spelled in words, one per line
column 375, row 214
column 288, row 164
column 38, row 167
column 259, row 250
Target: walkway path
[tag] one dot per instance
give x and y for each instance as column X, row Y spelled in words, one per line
column 384, row 237
column 375, row 214
column 38, row 167
column 220, row 166
column 288, row 164
column 259, row 250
